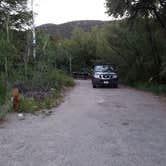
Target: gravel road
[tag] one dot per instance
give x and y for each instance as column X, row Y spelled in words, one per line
column 92, row 127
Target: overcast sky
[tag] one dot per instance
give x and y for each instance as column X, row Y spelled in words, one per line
column 60, row 11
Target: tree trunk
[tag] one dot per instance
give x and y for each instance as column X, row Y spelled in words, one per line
column 7, row 28
column 6, row 67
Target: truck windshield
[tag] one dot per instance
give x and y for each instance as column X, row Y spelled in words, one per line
column 103, row 68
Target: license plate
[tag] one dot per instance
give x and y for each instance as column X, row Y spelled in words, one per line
column 106, row 82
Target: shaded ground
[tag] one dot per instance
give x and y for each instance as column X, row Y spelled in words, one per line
column 93, row 127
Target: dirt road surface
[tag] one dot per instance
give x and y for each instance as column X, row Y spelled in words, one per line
column 93, row 127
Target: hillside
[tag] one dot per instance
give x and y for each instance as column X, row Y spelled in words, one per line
column 65, row 30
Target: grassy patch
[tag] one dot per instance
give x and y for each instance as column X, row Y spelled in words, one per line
column 151, row 87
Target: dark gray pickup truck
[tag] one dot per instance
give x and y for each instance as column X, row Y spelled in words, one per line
column 104, row 75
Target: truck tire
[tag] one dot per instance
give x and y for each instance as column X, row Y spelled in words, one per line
column 115, row 86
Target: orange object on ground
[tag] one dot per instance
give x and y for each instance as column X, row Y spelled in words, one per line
column 15, row 96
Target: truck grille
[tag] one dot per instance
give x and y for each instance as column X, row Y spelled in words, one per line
column 106, row 76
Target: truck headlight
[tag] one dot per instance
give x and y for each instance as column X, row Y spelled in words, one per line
column 114, row 76
column 96, row 76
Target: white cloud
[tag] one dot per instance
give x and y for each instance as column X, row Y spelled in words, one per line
column 60, row 11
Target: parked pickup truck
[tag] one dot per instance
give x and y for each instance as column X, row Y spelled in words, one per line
column 104, row 75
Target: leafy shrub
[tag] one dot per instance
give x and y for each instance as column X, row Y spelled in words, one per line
column 3, row 92
column 63, row 79
column 46, row 85
column 48, row 103
column 5, row 109
column 50, row 79
column 28, row 105
column 152, row 87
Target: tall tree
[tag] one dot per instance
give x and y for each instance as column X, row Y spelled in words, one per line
column 14, row 14
column 15, row 17
column 138, row 8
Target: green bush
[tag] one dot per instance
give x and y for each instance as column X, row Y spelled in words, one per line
column 3, row 92
column 48, row 103
column 50, row 79
column 5, row 109
column 28, row 105
column 63, row 79
column 47, row 83
column 151, row 87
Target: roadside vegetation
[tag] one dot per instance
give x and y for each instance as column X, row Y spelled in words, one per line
column 142, row 42
column 38, row 79
column 135, row 46
column 137, row 51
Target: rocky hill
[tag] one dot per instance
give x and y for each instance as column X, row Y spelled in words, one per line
column 65, row 30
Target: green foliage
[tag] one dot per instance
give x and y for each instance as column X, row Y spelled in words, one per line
column 54, row 94
column 50, row 79
column 133, row 55
column 28, row 105
column 137, row 53
column 80, row 50
column 151, row 87
column 47, row 87
column 14, row 14
column 48, row 103
column 5, row 109
column 138, row 9
column 19, row 68
column 63, row 80
column 3, row 92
